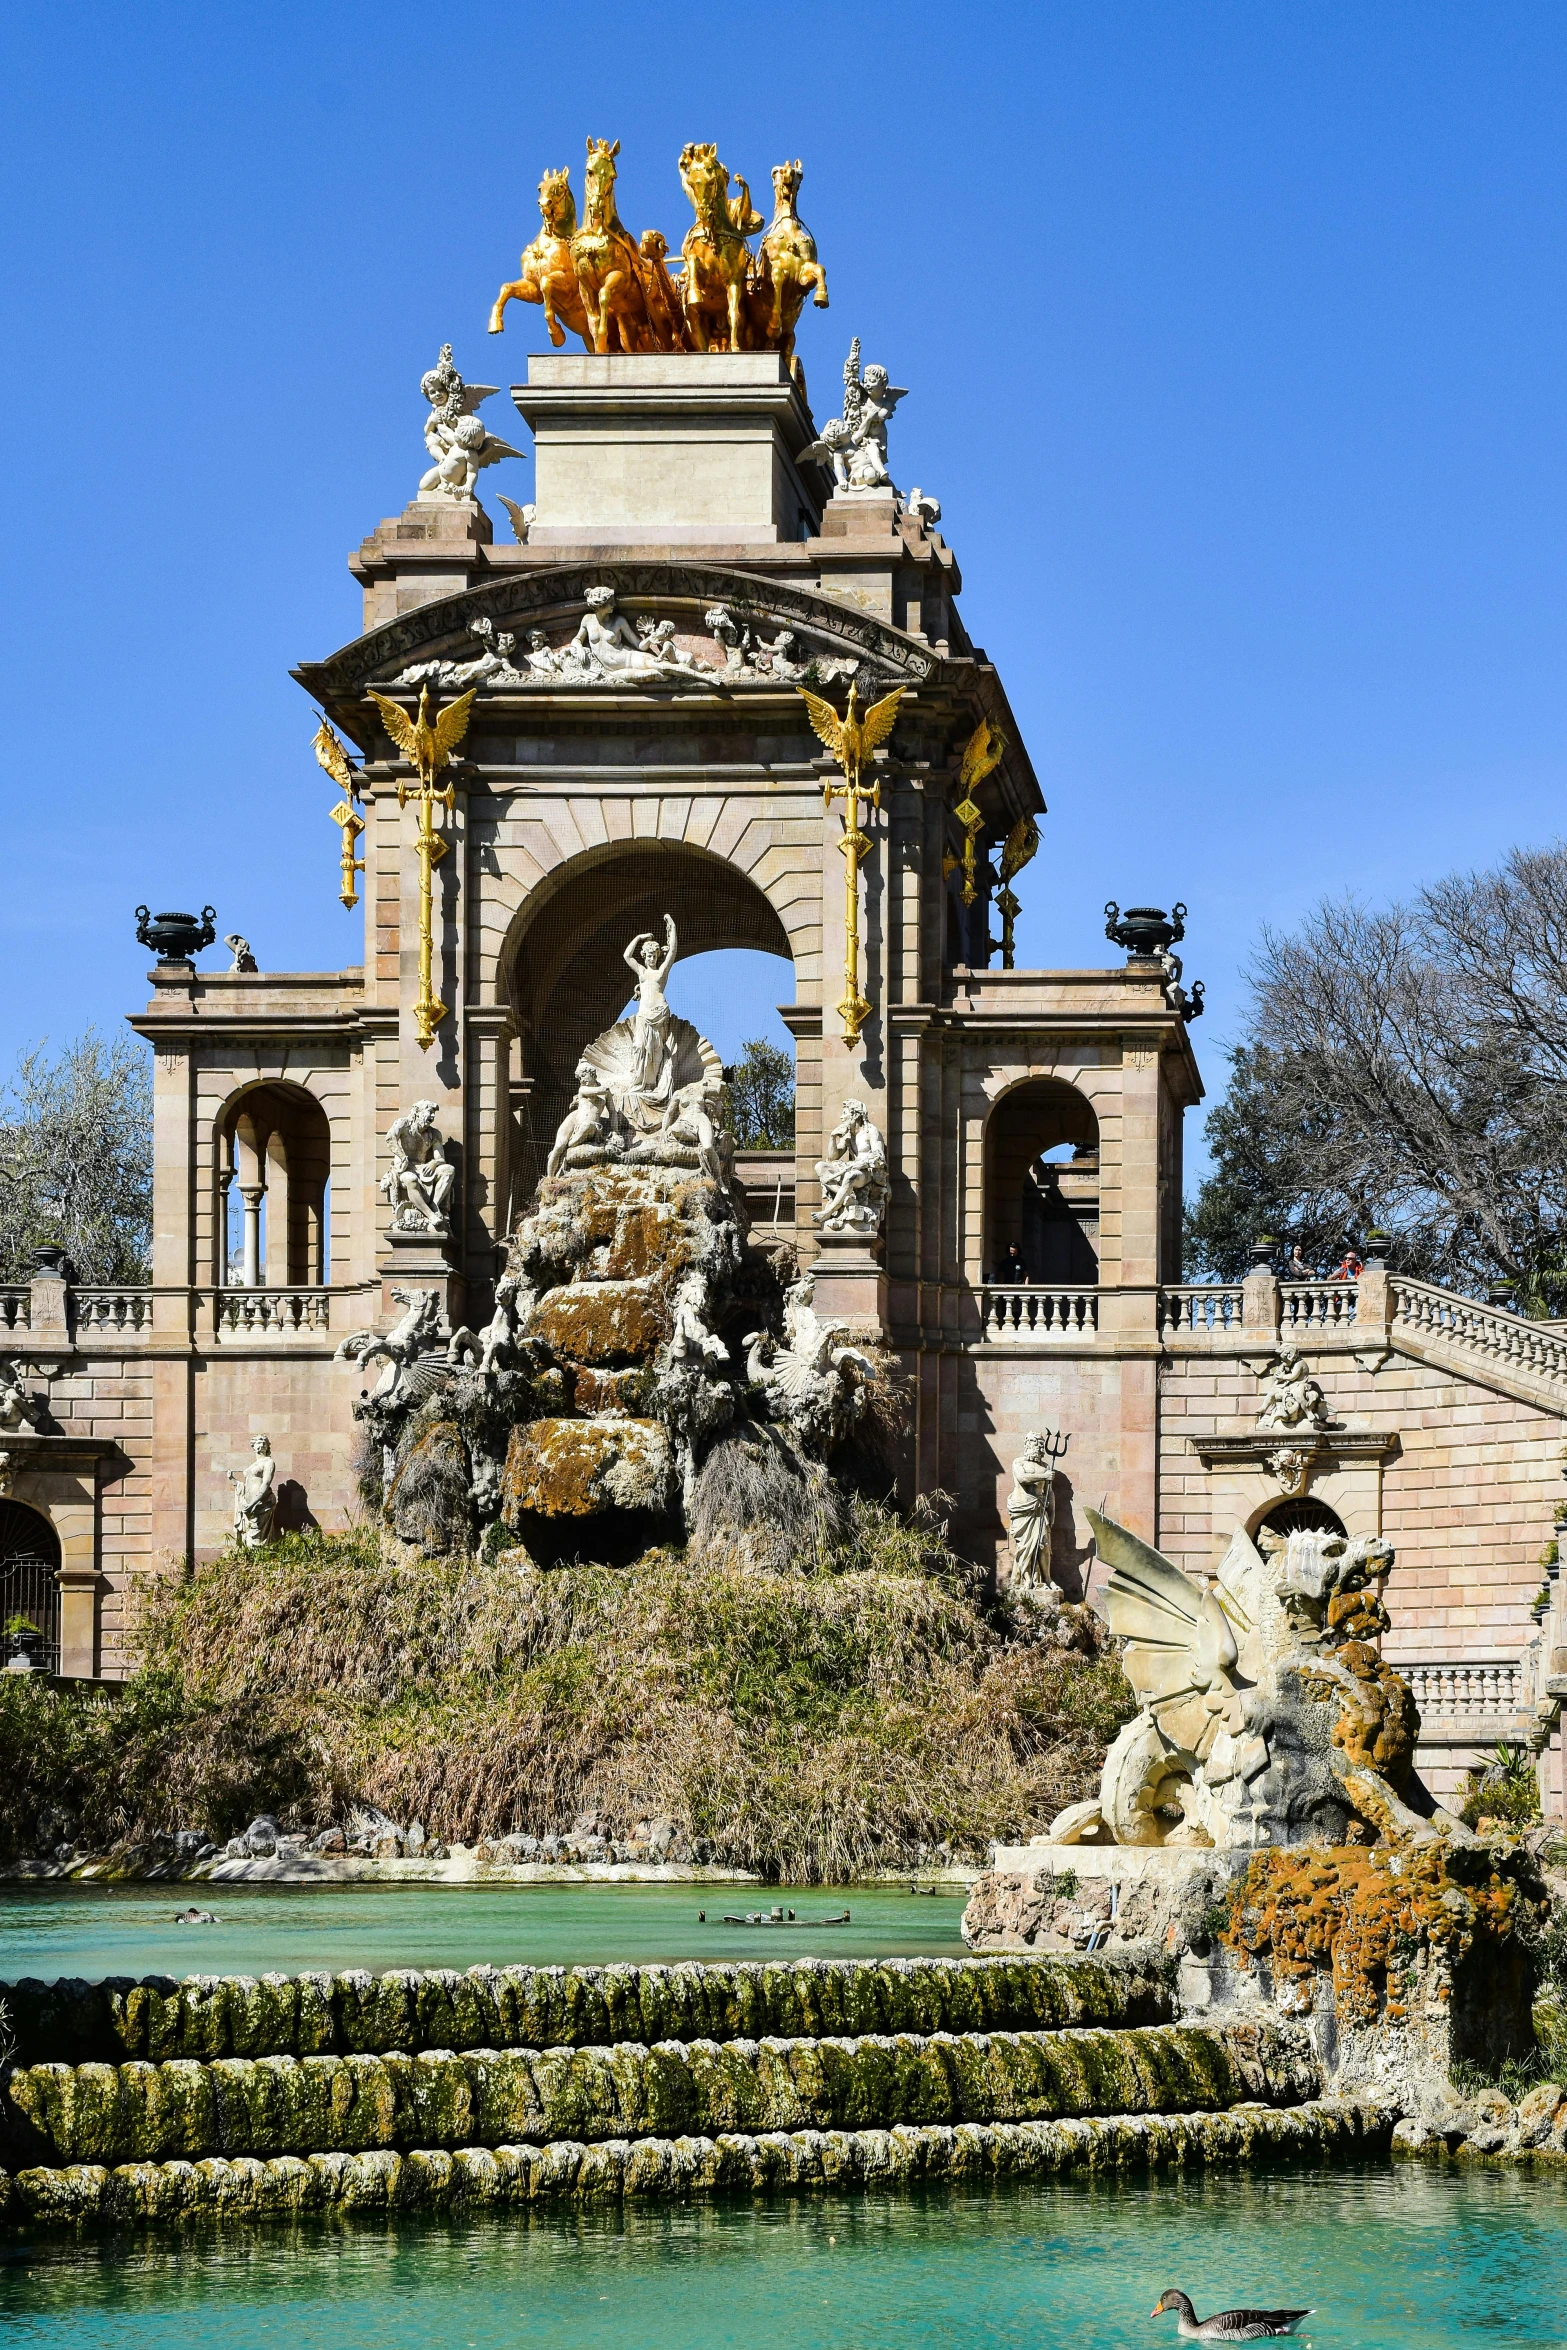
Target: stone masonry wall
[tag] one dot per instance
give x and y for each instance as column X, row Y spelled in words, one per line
column 1467, row 1498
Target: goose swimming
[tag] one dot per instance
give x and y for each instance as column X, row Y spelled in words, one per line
column 1230, row 2325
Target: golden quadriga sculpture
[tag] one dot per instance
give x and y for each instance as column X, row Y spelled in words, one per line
column 620, row 293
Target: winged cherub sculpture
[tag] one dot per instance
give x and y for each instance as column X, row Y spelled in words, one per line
column 855, row 443
column 457, row 442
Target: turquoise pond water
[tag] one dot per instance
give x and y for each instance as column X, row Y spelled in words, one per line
column 93, row 1930
column 1402, row 2258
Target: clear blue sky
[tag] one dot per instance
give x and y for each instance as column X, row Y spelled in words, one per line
column 1235, row 338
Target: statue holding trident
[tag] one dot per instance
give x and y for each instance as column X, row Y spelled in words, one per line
column 652, row 1045
column 1031, row 1508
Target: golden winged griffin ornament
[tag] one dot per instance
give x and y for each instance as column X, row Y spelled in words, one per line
column 428, row 746
column 851, row 740
column 331, row 755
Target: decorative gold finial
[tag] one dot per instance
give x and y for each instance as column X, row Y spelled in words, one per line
column 428, row 749
column 331, row 755
column 851, row 739
column 982, row 754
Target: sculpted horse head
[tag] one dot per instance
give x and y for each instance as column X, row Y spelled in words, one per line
column 557, row 204
column 607, row 262
column 787, row 268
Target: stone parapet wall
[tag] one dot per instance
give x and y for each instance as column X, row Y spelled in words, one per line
column 517, row 2177
column 264, row 2106
column 211, row 2016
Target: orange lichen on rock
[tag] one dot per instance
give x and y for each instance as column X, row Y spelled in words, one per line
column 621, row 1395
column 1374, row 1919
column 577, row 1468
column 603, row 1322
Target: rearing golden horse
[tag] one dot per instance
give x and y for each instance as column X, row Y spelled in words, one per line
column 786, row 269
column 607, row 262
column 546, row 273
column 717, row 257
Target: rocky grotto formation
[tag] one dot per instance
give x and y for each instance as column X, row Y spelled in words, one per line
column 646, row 1368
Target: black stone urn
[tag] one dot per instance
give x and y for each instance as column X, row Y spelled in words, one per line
column 1143, row 930
column 49, row 1259
column 175, row 938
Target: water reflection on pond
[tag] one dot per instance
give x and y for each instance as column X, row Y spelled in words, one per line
column 1402, row 2258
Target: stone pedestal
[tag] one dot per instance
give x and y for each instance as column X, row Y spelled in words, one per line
column 664, row 449
column 851, row 1287
column 433, row 548
column 420, row 1260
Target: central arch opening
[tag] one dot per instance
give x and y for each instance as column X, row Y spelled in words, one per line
column 567, row 982
column 1042, row 1186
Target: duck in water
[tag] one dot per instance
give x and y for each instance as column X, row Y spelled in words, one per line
column 1230, row 2325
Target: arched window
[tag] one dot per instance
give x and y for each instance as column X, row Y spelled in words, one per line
column 1302, row 1516
column 1042, row 1185
column 274, row 1160
column 29, row 1588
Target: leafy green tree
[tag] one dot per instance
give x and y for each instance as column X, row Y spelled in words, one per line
column 761, row 1097
column 1406, row 1069
column 76, row 1159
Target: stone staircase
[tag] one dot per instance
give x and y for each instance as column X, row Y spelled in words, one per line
column 507, row 2086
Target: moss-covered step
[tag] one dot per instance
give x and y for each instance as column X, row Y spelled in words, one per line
column 516, row 2177
column 207, row 2016
column 55, row 2114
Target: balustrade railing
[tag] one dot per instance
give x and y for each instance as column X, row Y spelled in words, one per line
column 1027, row 1314
column 1316, row 1305
column 16, row 1309
column 1480, row 1330
column 272, row 1313
column 1483, row 1693
column 1200, row 1306
column 97, row 1312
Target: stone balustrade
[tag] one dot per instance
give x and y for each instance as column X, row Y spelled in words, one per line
column 1316, row 1305
column 272, row 1313
column 16, row 1309
column 121, row 1312
column 1483, row 1693
column 1200, row 1308
column 1487, row 1332
column 1030, row 1313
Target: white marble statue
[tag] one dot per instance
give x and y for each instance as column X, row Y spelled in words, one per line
column 587, row 1121
column 853, row 1176
column 240, row 949
column 1031, row 1508
column 18, row 1410
column 606, row 644
column 855, row 443
column 650, row 966
column 813, row 1380
column 418, row 1183
column 458, row 444
column 494, row 1348
column 492, row 666
column 255, row 1497
column 1292, row 1398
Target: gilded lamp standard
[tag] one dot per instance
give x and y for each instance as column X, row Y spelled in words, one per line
column 428, row 749
column 851, row 739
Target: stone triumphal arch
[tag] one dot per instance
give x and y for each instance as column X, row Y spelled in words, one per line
column 660, row 652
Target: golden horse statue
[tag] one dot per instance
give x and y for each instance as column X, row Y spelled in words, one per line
column 785, row 270
column 717, row 257
column 607, row 263
column 663, row 296
column 546, row 273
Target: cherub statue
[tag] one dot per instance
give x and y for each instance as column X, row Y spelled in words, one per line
column 541, row 659
column 696, row 1116
column 853, row 1176
column 587, row 1121
column 855, row 443
column 255, row 1497
column 17, row 1407
column 418, row 1183
column 458, row 444
column 651, row 1044
column 1031, row 1508
column 1292, row 1398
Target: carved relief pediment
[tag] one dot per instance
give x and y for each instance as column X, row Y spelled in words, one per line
column 697, row 627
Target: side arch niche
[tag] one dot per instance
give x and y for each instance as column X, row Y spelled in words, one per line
column 1304, row 1514
column 1042, row 1185
column 562, row 972
column 273, row 1162
column 29, row 1587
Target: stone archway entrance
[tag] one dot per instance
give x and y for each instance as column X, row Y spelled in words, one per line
column 564, row 973
column 29, row 1588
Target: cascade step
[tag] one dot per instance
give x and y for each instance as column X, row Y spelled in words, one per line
column 355, row 2013
column 57, row 2114
column 512, row 2177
